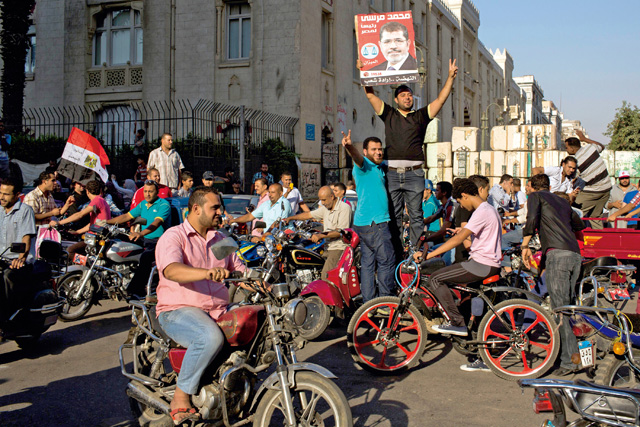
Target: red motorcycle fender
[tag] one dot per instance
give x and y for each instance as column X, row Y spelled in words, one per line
column 326, row 291
column 272, row 381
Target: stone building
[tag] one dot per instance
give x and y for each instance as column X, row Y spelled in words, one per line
column 534, row 97
column 291, row 57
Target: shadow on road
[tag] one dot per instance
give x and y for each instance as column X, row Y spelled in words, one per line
column 75, row 401
column 57, row 340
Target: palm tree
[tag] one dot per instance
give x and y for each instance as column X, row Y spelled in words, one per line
column 14, row 44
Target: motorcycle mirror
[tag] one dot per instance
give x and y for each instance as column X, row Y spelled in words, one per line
column 260, row 224
column 18, row 248
column 140, row 221
column 223, row 248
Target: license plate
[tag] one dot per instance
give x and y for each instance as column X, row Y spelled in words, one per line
column 80, row 259
column 618, row 294
column 586, row 353
column 50, row 320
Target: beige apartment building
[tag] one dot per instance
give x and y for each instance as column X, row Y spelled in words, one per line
column 294, row 58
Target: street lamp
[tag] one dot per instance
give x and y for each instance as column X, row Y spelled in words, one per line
column 422, row 70
column 484, row 125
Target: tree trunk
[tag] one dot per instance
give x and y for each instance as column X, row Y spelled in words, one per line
column 13, row 49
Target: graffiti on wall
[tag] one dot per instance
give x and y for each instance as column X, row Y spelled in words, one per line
column 310, row 180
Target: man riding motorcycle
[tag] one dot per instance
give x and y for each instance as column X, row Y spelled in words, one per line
column 190, row 293
column 17, row 224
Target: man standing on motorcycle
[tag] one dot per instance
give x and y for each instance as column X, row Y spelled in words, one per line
column 335, row 216
column 17, row 224
column 157, row 212
column 191, row 295
column 556, row 224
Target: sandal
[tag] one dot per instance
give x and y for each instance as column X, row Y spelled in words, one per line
column 192, row 415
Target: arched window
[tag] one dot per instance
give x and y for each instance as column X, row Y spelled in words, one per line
column 118, row 38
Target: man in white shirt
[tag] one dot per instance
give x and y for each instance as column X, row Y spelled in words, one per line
column 292, row 194
column 167, row 161
column 561, row 177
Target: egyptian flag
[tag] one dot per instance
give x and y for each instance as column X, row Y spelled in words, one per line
column 83, row 158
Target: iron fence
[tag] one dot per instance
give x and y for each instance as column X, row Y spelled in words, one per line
column 206, row 134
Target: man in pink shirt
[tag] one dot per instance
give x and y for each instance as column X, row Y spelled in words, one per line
column 485, row 229
column 191, row 295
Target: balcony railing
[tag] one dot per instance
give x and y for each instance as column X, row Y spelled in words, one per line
column 114, row 77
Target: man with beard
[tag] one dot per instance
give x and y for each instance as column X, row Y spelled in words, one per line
column 371, row 218
column 191, row 295
column 17, row 224
column 616, row 199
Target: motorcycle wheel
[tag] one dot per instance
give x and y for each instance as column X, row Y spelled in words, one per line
column 27, row 343
column 73, row 310
column 317, row 401
column 377, row 348
column 615, row 371
column 536, row 345
column 145, row 415
column 318, row 318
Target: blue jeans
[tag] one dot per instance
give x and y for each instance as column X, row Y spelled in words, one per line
column 563, row 270
column 194, row 329
column 377, row 250
column 407, row 188
column 513, row 236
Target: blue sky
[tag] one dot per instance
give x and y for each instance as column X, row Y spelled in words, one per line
column 585, row 54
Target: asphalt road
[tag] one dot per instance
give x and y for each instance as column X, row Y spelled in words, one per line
column 73, row 379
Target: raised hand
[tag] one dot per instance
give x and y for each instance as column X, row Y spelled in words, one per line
column 346, row 139
column 453, row 68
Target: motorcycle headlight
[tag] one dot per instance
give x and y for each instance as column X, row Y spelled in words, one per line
column 270, row 243
column 261, row 251
column 90, row 239
column 295, row 312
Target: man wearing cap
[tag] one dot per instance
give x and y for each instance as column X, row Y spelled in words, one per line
column 404, row 136
column 616, row 198
column 430, row 206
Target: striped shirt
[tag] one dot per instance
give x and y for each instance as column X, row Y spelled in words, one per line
column 592, row 169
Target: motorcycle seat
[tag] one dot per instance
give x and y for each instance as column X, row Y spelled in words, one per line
column 155, row 326
column 611, row 408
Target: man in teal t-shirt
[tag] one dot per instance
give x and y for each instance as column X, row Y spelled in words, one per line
column 371, row 219
column 157, row 212
column 430, row 205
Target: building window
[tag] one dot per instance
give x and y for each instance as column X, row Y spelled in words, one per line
column 439, row 40
column 238, row 31
column 326, row 36
column 30, row 63
column 118, row 38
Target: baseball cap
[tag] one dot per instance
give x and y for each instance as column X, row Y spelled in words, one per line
column 624, row 174
column 207, row 175
column 428, row 184
column 400, row 89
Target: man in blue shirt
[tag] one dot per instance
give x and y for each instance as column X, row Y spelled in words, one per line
column 157, row 212
column 277, row 208
column 430, row 205
column 371, row 219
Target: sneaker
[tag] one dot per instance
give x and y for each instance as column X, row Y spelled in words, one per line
column 476, row 365
column 379, row 312
column 448, row 329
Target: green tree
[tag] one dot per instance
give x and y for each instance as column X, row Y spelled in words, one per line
column 279, row 158
column 13, row 49
column 624, row 130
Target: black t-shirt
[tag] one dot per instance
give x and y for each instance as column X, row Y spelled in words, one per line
column 404, row 136
column 461, row 215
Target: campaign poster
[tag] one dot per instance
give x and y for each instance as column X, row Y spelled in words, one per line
column 386, row 47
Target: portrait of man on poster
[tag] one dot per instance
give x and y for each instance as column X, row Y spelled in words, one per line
column 395, row 46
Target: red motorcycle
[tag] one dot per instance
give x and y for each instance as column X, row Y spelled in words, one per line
column 338, row 295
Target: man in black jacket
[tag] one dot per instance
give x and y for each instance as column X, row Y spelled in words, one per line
column 556, row 224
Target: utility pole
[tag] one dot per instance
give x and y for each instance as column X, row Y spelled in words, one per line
column 242, row 138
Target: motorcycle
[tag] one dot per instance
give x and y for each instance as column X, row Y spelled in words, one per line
column 107, row 268
column 257, row 336
column 596, row 405
column 338, row 295
column 516, row 338
column 29, row 322
column 284, row 261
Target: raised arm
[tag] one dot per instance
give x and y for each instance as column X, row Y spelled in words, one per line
column 376, row 102
column 536, row 171
column 353, row 152
column 436, row 105
column 581, row 137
